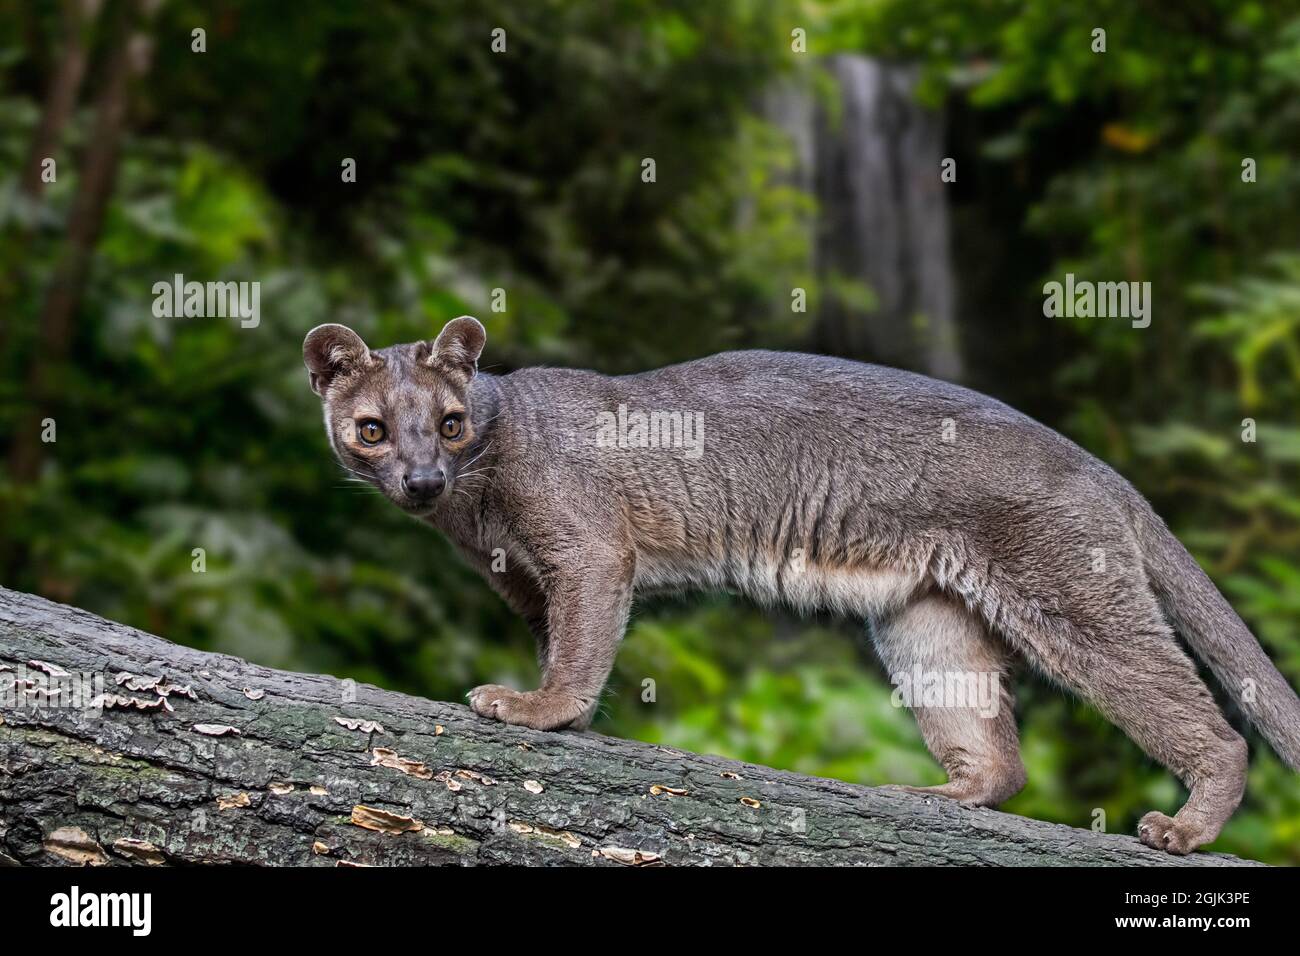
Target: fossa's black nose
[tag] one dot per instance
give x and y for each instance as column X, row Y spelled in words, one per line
column 424, row 483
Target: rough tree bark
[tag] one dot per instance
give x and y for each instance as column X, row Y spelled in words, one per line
column 203, row 758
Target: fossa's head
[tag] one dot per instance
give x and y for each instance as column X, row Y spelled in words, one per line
column 399, row 417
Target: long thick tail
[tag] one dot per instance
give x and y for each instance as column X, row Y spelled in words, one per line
column 1219, row 637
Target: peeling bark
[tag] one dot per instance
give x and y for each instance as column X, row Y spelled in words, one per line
column 203, row 758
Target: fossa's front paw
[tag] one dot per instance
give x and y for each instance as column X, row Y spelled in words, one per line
column 538, row 709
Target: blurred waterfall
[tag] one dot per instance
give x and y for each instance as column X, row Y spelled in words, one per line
column 872, row 160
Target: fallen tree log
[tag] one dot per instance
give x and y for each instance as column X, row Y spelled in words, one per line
column 117, row 747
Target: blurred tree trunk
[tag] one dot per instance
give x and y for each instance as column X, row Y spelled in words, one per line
column 61, row 97
column 129, row 59
column 60, row 101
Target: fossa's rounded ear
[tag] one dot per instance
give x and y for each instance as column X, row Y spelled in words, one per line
column 330, row 351
column 456, row 350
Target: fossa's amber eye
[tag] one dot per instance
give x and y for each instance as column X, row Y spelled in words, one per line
column 371, row 432
column 452, row 426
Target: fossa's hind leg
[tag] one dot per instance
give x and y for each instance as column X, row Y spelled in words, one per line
column 955, row 672
column 1107, row 639
column 1144, row 683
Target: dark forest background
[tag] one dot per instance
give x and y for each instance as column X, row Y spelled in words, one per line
column 521, row 170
